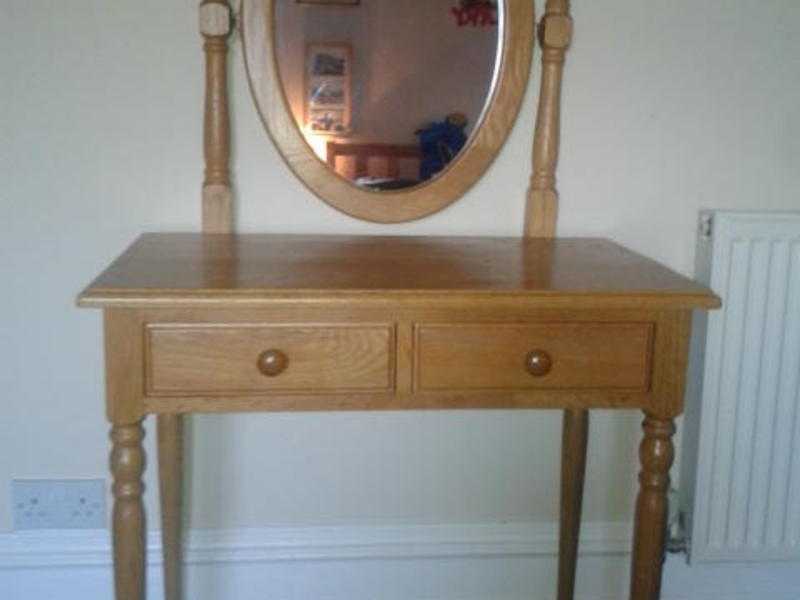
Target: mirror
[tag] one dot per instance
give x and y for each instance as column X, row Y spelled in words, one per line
column 388, row 109
column 385, row 103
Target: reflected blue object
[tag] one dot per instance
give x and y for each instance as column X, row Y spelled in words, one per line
column 439, row 143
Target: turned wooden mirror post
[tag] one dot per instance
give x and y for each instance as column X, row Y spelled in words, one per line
column 215, row 27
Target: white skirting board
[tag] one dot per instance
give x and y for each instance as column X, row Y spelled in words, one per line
column 505, row 561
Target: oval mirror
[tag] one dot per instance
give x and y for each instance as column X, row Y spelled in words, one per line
column 388, row 110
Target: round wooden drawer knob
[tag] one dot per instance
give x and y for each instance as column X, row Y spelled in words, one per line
column 538, row 363
column 272, row 362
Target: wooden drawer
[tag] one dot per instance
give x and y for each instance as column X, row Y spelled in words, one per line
column 241, row 358
column 564, row 355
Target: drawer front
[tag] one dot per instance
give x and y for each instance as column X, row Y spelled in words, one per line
column 240, row 359
column 530, row 356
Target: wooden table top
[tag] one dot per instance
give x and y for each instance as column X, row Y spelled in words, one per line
column 194, row 268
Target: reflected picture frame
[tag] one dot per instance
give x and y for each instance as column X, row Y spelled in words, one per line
column 328, row 88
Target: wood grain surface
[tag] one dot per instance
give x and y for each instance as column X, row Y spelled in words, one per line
column 224, row 359
column 493, row 356
column 170, row 484
column 128, row 517
column 189, row 366
column 186, row 268
column 555, row 35
column 656, row 454
column 217, row 196
column 574, row 441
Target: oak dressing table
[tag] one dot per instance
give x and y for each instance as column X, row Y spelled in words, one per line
column 219, row 322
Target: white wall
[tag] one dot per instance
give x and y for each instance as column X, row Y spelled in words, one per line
column 668, row 107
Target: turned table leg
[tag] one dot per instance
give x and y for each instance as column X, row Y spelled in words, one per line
column 656, row 454
column 573, row 468
column 127, row 466
column 170, row 477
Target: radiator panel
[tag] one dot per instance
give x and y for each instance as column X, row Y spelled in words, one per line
column 742, row 437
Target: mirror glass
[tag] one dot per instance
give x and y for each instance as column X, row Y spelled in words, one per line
column 387, row 93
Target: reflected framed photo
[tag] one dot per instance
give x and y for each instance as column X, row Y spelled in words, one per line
column 328, row 87
column 329, row 59
column 328, row 94
column 330, row 122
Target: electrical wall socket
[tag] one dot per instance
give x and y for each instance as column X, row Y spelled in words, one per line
column 58, row 503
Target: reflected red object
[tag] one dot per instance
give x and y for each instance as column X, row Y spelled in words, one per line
column 475, row 14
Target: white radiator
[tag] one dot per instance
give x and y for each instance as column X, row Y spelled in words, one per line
column 740, row 480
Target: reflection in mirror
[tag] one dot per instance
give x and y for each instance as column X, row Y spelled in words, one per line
column 387, row 92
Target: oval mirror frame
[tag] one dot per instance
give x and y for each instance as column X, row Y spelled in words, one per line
column 511, row 80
